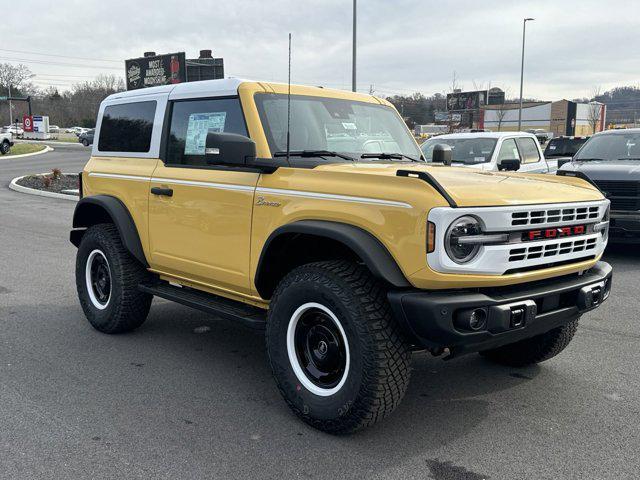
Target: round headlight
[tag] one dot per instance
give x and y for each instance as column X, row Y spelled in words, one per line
column 458, row 251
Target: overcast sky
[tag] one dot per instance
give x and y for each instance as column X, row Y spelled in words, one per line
column 403, row 45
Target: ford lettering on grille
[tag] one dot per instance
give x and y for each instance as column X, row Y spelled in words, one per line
column 556, row 232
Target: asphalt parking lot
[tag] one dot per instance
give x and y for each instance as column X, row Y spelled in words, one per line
column 190, row 396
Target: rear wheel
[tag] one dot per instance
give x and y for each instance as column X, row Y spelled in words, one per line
column 336, row 353
column 85, row 142
column 534, row 350
column 4, row 147
column 107, row 279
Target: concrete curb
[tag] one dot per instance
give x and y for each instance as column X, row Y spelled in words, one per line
column 41, row 193
column 46, row 149
column 52, row 142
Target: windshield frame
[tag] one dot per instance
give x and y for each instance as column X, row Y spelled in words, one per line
column 273, row 147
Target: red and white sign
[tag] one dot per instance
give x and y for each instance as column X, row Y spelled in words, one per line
column 27, row 123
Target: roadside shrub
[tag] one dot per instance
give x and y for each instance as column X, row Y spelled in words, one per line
column 46, row 181
column 56, row 173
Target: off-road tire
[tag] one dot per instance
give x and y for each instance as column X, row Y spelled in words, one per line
column 5, row 147
column 127, row 307
column 377, row 378
column 533, row 350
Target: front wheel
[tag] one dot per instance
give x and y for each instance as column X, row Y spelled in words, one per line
column 534, row 350
column 4, row 147
column 85, row 142
column 336, row 353
column 107, row 279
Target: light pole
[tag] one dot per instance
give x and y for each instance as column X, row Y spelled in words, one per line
column 524, row 29
column 353, row 60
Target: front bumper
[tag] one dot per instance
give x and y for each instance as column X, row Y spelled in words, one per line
column 514, row 313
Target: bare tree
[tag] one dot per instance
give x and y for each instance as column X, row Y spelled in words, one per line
column 454, row 88
column 14, row 76
column 501, row 112
column 595, row 110
column 13, row 80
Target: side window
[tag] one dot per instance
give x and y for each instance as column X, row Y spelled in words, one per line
column 508, row 150
column 529, row 149
column 191, row 120
column 127, row 127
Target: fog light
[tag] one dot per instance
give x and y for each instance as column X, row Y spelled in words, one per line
column 473, row 320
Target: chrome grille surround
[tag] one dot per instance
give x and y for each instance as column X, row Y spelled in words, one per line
column 516, row 255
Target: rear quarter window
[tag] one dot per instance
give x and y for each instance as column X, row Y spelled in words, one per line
column 127, row 127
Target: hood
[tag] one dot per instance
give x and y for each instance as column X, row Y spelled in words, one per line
column 607, row 170
column 476, row 188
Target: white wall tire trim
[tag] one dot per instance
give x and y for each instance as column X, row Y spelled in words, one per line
column 293, row 357
column 87, row 274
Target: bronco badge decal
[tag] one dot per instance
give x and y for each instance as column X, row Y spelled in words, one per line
column 262, row 201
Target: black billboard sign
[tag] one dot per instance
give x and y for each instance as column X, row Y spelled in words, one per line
column 466, row 100
column 153, row 71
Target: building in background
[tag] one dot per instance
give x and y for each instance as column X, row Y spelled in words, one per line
column 562, row 117
column 205, row 67
column 467, row 106
column 153, row 70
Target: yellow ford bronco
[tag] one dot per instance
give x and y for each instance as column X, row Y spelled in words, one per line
column 310, row 213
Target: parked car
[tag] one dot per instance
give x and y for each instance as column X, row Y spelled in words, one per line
column 14, row 130
column 611, row 160
column 76, row 130
column 542, row 135
column 348, row 250
column 86, row 138
column 493, row 151
column 6, row 142
column 54, row 129
column 563, row 148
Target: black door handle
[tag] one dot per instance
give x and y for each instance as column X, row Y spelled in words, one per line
column 167, row 192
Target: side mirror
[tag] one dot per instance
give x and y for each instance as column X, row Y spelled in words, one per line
column 510, row 165
column 229, row 149
column 562, row 161
column 442, row 154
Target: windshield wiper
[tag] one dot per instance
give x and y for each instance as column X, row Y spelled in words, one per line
column 589, row 159
column 629, row 158
column 388, row 156
column 313, row 153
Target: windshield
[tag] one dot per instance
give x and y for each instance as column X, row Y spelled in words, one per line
column 345, row 126
column 464, row 150
column 563, row 147
column 611, row 147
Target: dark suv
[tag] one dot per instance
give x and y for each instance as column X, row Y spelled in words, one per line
column 611, row 160
column 563, row 148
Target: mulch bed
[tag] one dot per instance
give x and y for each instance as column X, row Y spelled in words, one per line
column 50, row 182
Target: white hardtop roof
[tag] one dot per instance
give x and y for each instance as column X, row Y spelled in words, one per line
column 495, row 135
column 213, row 88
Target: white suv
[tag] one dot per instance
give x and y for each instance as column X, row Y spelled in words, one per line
column 493, row 151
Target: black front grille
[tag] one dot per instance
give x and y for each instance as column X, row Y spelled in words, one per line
column 624, row 195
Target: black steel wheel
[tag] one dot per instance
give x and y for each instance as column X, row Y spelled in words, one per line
column 338, row 356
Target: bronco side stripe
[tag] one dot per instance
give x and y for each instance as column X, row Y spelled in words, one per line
column 263, row 190
column 329, row 196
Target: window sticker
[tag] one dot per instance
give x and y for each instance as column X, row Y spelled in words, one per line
column 199, row 125
column 349, row 126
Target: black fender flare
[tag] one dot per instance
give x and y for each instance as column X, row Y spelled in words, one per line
column 92, row 210
column 366, row 246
